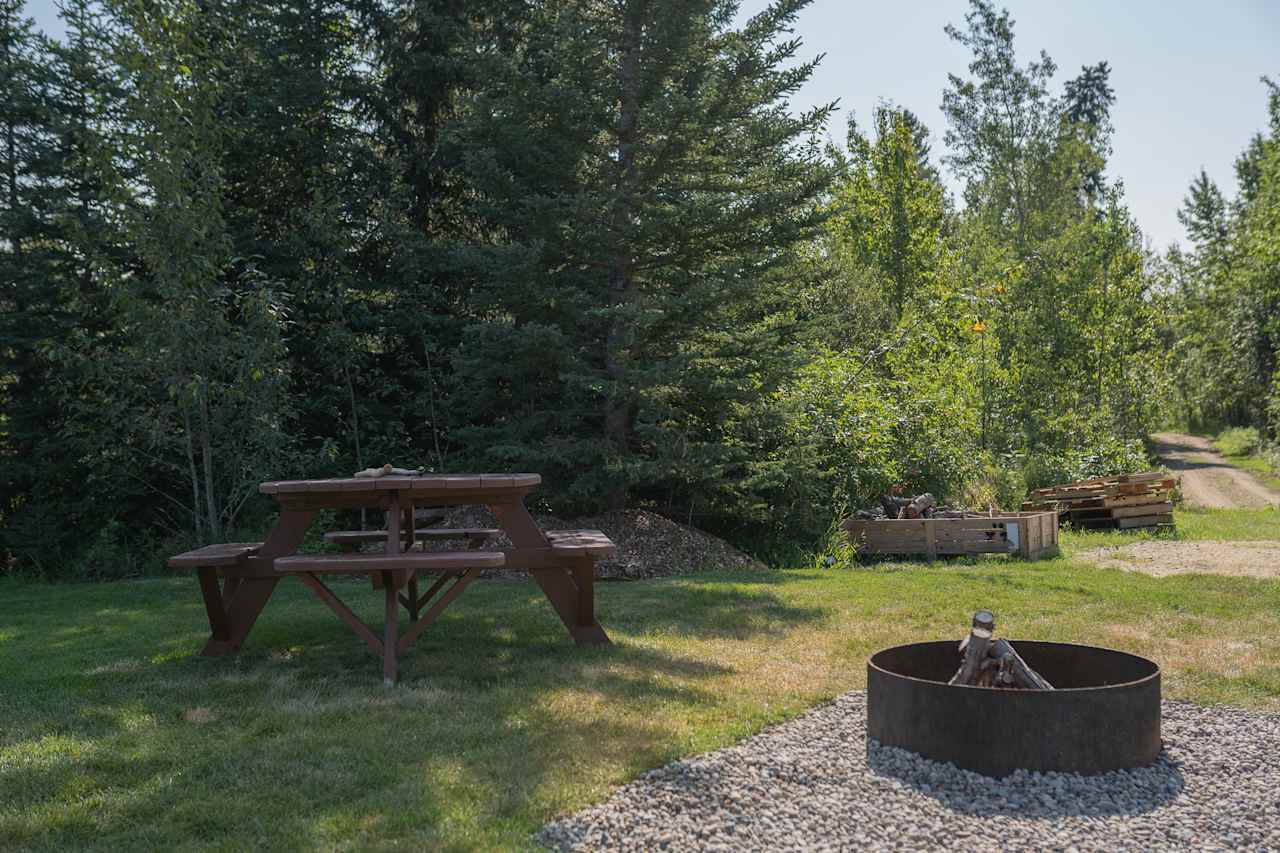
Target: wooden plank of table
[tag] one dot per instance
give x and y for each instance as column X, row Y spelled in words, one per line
column 420, row 483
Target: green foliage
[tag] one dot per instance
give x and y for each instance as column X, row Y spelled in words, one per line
column 890, row 208
column 1103, row 455
column 648, row 185
column 1224, row 296
column 1001, row 484
column 1239, row 441
column 273, row 238
column 842, row 435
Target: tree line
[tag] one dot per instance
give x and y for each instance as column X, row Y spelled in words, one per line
column 254, row 239
column 1223, row 293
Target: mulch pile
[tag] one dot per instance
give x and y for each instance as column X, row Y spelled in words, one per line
column 649, row 545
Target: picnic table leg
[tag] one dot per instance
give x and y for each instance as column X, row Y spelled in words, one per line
column 390, row 667
column 244, row 599
column 243, row 610
column 566, row 593
column 584, row 574
column 411, row 599
column 214, row 606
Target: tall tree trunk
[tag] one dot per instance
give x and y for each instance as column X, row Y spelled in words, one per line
column 1102, row 320
column 355, row 430
column 193, row 475
column 206, row 459
column 15, row 235
column 620, row 410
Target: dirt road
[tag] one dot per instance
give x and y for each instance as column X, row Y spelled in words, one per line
column 1206, row 478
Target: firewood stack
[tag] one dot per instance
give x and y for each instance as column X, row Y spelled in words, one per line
column 920, row 506
column 988, row 661
column 1124, row 501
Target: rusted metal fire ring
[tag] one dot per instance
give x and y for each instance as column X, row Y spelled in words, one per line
column 1105, row 714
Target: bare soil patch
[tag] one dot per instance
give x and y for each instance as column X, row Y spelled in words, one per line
column 1239, row 559
column 1206, row 479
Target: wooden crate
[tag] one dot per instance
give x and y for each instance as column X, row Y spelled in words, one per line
column 1030, row 535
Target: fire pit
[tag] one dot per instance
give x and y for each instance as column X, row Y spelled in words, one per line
column 1104, row 714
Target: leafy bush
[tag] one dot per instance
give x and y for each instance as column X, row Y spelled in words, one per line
column 1103, row 455
column 1239, row 441
column 112, row 555
column 841, row 435
column 1002, row 485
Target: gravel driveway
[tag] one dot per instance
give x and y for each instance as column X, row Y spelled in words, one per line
column 809, row 784
column 1205, row 478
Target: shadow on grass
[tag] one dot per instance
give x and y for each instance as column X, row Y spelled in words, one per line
column 111, row 720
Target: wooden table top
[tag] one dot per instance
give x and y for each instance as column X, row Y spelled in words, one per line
column 423, row 483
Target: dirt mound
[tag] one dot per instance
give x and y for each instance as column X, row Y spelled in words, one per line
column 649, row 545
column 1240, row 559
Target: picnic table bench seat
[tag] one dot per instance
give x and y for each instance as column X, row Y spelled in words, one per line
column 421, row 561
column 581, row 543
column 224, row 554
column 353, row 538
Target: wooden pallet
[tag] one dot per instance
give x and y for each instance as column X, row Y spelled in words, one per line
column 1122, row 502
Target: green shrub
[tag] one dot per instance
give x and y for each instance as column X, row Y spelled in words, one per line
column 1239, row 441
column 1097, row 458
column 113, row 554
column 1002, row 485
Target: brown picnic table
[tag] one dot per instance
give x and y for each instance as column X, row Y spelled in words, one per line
column 238, row 579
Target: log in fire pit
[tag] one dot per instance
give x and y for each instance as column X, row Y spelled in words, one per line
column 1102, row 714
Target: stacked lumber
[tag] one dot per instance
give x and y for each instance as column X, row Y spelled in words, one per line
column 1124, row 501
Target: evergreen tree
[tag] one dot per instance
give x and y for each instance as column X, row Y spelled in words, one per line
column 641, row 160
column 1204, row 215
column 35, row 298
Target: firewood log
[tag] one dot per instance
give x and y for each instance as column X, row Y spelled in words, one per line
column 974, row 653
column 893, row 505
column 1004, row 674
column 1023, row 675
column 917, row 506
column 981, row 619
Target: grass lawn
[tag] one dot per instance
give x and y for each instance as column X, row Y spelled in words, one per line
column 1258, row 466
column 115, row 735
column 1191, row 524
column 1254, row 463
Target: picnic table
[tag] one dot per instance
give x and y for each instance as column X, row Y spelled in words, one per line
column 238, row 579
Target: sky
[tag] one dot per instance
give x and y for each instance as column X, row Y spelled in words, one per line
column 1185, row 73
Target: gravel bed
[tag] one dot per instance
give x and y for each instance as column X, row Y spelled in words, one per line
column 813, row 783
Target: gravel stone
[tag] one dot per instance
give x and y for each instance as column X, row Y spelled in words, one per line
column 816, row 783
